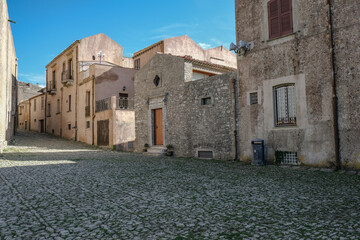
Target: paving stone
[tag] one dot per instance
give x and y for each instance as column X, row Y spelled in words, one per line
column 51, row 188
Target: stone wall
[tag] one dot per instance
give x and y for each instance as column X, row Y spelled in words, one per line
column 347, row 59
column 302, row 58
column 188, row 125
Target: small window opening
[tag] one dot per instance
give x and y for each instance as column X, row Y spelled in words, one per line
column 206, row 101
column 253, row 98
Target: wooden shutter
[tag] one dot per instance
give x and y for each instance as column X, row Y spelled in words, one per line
column 274, row 18
column 286, row 17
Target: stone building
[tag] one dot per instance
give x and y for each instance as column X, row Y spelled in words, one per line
column 62, row 74
column 106, row 114
column 8, row 78
column 31, row 113
column 27, row 90
column 186, row 103
column 185, row 46
column 298, row 85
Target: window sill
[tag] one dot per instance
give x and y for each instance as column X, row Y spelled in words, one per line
column 281, row 39
column 285, row 127
column 58, row 113
column 68, row 111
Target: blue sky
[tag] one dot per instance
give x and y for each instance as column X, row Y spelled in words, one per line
column 46, row 27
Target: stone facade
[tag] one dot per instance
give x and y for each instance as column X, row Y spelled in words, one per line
column 190, row 125
column 8, row 78
column 303, row 60
column 27, row 90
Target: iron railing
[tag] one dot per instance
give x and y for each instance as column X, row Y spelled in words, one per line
column 103, row 104
column 67, row 75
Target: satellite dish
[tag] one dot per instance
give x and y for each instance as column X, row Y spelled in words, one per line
column 233, row 47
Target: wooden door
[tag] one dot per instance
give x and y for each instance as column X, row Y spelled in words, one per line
column 158, row 127
column 103, row 133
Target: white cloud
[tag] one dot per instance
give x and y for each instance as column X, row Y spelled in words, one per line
column 205, row 45
column 33, row 78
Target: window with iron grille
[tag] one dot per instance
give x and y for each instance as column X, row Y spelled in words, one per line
column 54, row 79
column 285, row 105
column 137, row 64
column 287, row 158
column 280, row 18
column 253, row 98
column 206, row 101
column 123, row 100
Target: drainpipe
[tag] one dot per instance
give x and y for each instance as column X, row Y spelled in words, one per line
column 76, row 90
column 93, row 110
column 234, row 95
column 46, row 103
column 334, row 90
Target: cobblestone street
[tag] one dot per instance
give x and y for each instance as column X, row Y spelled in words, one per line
column 51, row 188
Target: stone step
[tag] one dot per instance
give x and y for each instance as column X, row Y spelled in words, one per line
column 156, row 150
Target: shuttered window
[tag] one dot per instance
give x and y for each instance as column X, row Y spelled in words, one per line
column 280, row 18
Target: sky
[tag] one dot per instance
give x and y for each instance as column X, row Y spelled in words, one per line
column 44, row 28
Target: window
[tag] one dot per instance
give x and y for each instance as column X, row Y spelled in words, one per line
column 280, row 18
column 285, row 105
column 253, row 98
column 69, row 103
column 70, row 68
column 137, row 64
column 54, row 80
column 87, row 99
column 87, row 124
column 58, row 106
column 34, row 105
column 42, row 103
column 48, row 110
column 123, row 100
column 206, row 101
column 34, row 120
column 69, row 126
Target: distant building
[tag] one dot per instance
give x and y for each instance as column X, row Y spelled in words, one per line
column 299, row 85
column 23, row 115
column 27, row 90
column 185, row 46
column 8, row 78
column 106, row 114
column 62, row 84
column 186, row 103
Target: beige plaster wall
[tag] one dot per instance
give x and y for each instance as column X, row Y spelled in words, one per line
column 23, row 115
column 8, row 77
column 36, row 114
column 90, row 46
column 146, row 56
column 124, row 129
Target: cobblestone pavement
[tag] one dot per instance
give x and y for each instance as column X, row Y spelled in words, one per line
column 52, row 188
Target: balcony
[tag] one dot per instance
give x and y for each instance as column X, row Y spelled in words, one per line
column 87, row 111
column 51, row 88
column 67, row 78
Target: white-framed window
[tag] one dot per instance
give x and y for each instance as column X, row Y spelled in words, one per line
column 285, row 105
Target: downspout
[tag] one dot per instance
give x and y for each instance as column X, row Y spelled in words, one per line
column 334, row 90
column 93, row 109
column 16, row 99
column 76, row 91
column 29, row 115
column 46, row 104
column 234, row 90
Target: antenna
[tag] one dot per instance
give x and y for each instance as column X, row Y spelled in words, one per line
column 100, row 55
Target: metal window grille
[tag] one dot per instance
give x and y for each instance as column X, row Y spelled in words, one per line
column 253, row 98
column 123, row 101
column 285, row 105
column 287, row 158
